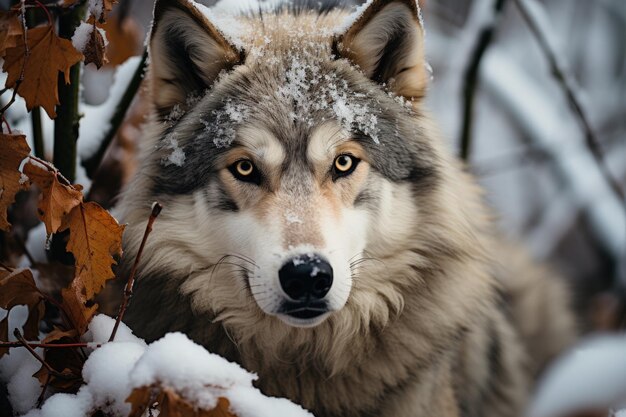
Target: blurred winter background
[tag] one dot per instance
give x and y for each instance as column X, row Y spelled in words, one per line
column 494, row 89
column 493, row 86
column 527, row 144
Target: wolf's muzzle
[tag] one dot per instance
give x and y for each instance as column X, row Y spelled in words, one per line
column 306, row 278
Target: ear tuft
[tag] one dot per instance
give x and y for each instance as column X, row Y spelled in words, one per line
column 187, row 53
column 386, row 40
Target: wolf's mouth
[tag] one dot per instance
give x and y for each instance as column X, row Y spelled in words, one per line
column 304, row 311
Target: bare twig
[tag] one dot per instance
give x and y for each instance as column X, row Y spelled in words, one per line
column 128, row 290
column 471, row 78
column 43, row 391
column 92, row 163
column 564, row 80
column 52, row 168
column 35, row 345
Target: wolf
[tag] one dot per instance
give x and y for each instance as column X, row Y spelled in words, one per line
column 316, row 229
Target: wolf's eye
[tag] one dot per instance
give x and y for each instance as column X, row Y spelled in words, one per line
column 244, row 170
column 344, row 165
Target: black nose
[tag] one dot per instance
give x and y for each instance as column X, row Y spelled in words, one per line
column 306, row 277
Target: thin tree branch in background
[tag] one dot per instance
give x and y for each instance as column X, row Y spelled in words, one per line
column 566, row 83
column 93, row 163
column 66, row 125
column 471, row 78
column 38, row 133
column 35, row 114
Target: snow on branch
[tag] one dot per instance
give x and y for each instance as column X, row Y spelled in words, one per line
column 537, row 20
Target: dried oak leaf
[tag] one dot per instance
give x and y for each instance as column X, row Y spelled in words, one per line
column 18, row 288
column 57, row 200
column 58, row 335
column 170, row 404
column 10, row 30
column 13, row 150
column 48, row 54
column 95, row 237
column 95, row 49
column 74, row 306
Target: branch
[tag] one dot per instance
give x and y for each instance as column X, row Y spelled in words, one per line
column 471, row 78
column 37, row 132
column 128, row 290
column 566, row 83
column 93, row 162
column 66, row 124
column 35, row 345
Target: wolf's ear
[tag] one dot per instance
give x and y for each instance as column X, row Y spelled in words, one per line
column 387, row 42
column 187, row 53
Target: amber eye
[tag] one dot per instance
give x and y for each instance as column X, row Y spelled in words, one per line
column 345, row 165
column 244, row 170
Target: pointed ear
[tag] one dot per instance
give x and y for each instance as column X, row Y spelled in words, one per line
column 387, row 42
column 187, row 53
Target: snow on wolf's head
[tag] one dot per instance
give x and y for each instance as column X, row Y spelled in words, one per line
column 287, row 151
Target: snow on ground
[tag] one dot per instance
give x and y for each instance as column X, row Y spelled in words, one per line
column 592, row 376
column 95, row 122
column 113, row 370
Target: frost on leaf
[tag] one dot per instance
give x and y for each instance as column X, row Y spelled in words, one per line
column 170, row 404
column 13, row 150
column 18, row 288
column 95, row 237
column 48, row 54
column 91, row 41
column 57, row 199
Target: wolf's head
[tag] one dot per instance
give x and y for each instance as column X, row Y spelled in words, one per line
column 289, row 150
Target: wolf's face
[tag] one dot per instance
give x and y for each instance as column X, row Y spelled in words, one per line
column 287, row 161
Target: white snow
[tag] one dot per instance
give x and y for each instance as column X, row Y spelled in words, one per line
column 291, row 218
column 591, row 376
column 81, row 36
column 113, row 370
column 176, row 155
column 95, row 122
column 96, row 8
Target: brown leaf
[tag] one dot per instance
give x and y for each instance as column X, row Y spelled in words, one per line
column 49, row 54
column 68, row 381
column 74, row 306
column 140, row 400
column 171, row 404
column 94, row 50
column 57, row 335
column 10, row 30
column 57, row 199
column 13, row 150
column 95, row 237
column 18, row 288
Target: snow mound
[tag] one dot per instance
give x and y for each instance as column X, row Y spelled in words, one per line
column 591, row 376
column 114, row 369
